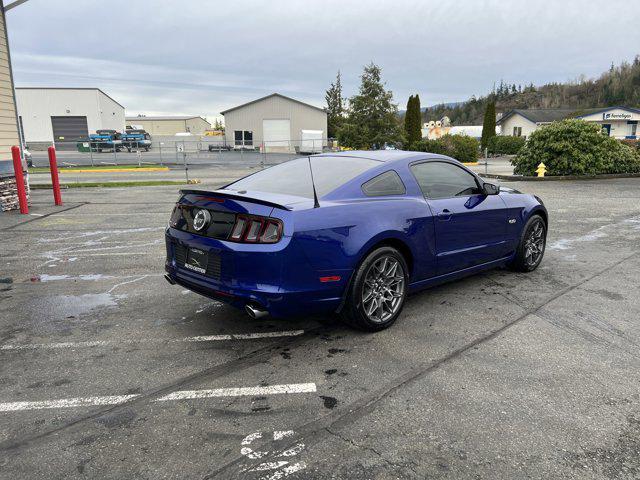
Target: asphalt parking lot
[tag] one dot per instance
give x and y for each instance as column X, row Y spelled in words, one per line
column 107, row 371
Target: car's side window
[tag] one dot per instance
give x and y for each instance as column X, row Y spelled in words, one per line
column 387, row 183
column 444, row 180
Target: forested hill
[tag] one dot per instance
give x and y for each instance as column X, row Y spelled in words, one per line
column 618, row 86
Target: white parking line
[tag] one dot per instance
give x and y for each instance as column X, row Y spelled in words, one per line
column 179, row 395
column 65, row 403
column 106, row 343
column 240, row 392
column 243, row 336
column 53, row 346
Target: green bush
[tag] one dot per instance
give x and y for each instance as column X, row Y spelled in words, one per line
column 575, row 147
column 460, row 147
column 505, row 145
column 635, row 144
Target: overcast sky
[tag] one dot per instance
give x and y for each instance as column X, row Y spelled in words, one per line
column 200, row 57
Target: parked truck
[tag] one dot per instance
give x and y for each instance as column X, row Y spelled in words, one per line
column 105, row 140
column 136, row 139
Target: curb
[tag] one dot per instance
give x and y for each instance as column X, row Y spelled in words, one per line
column 103, row 170
column 150, row 183
column 107, row 170
column 521, row 178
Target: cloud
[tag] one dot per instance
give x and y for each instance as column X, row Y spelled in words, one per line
column 197, row 57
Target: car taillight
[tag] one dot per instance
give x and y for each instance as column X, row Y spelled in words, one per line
column 175, row 216
column 272, row 232
column 238, row 229
column 254, row 229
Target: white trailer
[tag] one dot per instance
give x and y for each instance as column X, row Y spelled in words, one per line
column 311, row 141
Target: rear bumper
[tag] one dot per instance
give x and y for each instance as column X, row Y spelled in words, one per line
column 276, row 277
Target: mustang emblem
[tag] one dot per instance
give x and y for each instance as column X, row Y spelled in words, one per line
column 201, row 220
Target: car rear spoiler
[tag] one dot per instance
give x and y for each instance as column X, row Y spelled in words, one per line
column 236, row 197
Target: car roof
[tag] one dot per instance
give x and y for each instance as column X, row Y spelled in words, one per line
column 379, row 155
column 390, row 158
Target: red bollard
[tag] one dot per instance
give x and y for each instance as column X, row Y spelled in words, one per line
column 55, row 182
column 17, row 168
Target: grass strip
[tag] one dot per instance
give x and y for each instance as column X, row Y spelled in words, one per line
column 144, row 183
column 94, row 168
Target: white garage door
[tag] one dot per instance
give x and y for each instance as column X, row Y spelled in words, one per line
column 276, row 134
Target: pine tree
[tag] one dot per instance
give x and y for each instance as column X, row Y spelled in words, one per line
column 372, row 116
column 413, row 121
column 417, row 132
column 408, row 117
column 489, row 125
column 335, row 107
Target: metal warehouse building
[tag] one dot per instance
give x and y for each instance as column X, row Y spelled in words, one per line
column 274, row 123
column 170, row 125
column 617, row 122
column 62, row 115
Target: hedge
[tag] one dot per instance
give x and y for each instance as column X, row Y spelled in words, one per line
column 575, row 147
column 461, row 147
column 505, row 145
column 632, row 143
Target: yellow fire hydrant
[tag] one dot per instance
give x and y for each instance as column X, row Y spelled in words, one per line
column 542, row 169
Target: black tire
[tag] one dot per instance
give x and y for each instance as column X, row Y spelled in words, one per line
column 523, row 260
column 353, row 311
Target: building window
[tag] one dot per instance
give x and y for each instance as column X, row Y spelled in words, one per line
column 606, row 129
column 517, row 131
column 243, row 137
column 634, row 128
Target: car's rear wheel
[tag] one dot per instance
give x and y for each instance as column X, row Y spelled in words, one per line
column 532, row 245
column 378, row 290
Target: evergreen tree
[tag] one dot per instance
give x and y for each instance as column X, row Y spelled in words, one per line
column 335, row 107
column 413, row 121
column 407, row 115
column 372, row 116
column 489, row 125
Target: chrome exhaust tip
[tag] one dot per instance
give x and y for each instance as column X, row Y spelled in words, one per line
column 255, row 312
column 169, row 279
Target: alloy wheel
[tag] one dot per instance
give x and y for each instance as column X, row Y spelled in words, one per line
column 534, row 244
column 383, row 289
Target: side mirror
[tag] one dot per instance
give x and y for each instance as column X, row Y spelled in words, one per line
column 490, row 189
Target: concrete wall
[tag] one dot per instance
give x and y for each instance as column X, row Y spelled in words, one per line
column 36, row 106
column 8, row 120
column 171, row 126
column 111, row 113
column 517, row 120
column 198, row 125
column 250, row 118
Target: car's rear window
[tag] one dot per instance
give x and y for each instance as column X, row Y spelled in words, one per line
column 294, row 177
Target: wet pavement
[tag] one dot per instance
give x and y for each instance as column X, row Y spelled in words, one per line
column 107, row 371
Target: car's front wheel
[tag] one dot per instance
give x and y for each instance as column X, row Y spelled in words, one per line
column 531, row 247
column 377, row 291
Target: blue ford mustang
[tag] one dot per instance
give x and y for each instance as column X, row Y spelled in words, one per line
column 350, row 232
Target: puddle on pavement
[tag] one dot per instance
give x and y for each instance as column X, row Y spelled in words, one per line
column 60, row 307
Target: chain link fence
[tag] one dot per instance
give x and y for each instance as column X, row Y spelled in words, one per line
column 176, row 152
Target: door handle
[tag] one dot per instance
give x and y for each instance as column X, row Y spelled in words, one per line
column 444, row 215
